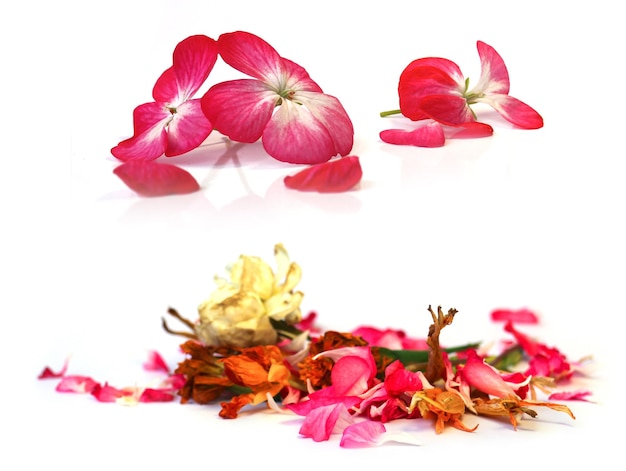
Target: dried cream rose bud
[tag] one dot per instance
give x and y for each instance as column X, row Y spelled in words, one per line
column 238, row 313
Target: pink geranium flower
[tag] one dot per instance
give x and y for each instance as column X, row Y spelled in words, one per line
column 174, row 123
column 435, row 88
column 281, row 104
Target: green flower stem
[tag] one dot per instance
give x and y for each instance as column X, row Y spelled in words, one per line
column 389, row 113
column 410, row 357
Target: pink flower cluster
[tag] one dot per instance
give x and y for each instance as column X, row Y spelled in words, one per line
column 435, row 94
column 280, row 105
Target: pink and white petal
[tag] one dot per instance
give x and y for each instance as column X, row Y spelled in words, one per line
column 469, row 130
column 329, row 177
column 239, row 109
column 148, row 178
column 298, row 78
column 188, row 129
column 146, row 146
column 251, row 55
column 494, row 77
column 514, row 111
column 428, row 134
column 155, row 362
column 322, row 422
column 520, row 316
column 145, row 116
column 296, row 136
column 451, row 110
column 193, row 60
column 362, row 434
column 77, row 384
column 328, row 110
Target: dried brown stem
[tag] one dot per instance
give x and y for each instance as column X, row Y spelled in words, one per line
column 435, row 370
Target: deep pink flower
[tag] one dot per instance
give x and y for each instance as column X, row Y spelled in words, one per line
column 338, row 175
column 435, row 88
column 174, row 123
column 543, row 360
column 281, row 104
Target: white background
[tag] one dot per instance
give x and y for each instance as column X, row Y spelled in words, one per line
column 525, row 218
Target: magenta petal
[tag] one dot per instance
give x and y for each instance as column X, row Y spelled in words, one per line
column 469, row 130
column 362, row 434
column 484, row 377
column 425, row 77
column 108, row 393
column 520, row 316
column 350, row 376
column 323, row 421
column 451, row 110
column 77, row 384
column 251, row 55
column 494, row 77
column 330, row 113
column 239, row 109
column 156, row 395
column 329, row 177
column 570, row 396
column 193, row 60
column 515, row 111
column 155, row 362
column 149, row 178
column 296, row 136
column 188, row 129
column 429, row 134
column 48, row 373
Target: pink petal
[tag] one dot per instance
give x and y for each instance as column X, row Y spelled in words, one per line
column 521, row 316
column 251, row 55
column 188, row 129
column 330, row 113
column 468, row 130
column 338, row 175
column 296, row 136
column 428, row 134
column 350, row 376
column 239, row 109
column 156, row 395
column 570, row 396
column 193, row 60
column 362, row 434
column 150, row 139
column 451, row 110
column 77, row 384
column 47, row 373
column 155, row 362
column 108, row 393
column 514, row 111
column 323, row 421
column 484, row 377
column 424, row 77
column 494, row 77
column 148, row 178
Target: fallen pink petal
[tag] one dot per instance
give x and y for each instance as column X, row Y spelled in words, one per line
column 156, row 362
column 77, row 384
column 339, row 175
column 518, row 316
column 148, row 178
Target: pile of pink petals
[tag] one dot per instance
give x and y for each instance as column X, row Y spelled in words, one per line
column 279, row 104
column 435, row 95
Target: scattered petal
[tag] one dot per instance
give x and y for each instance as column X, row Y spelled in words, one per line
column 77, row 384
column 520, row 316
column 155, row 362
column 338, row 175
column 149, row 178
column 429, row 134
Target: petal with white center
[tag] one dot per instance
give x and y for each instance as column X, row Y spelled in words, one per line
column 514, row 111
column 188, row 129
column 239, row 109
